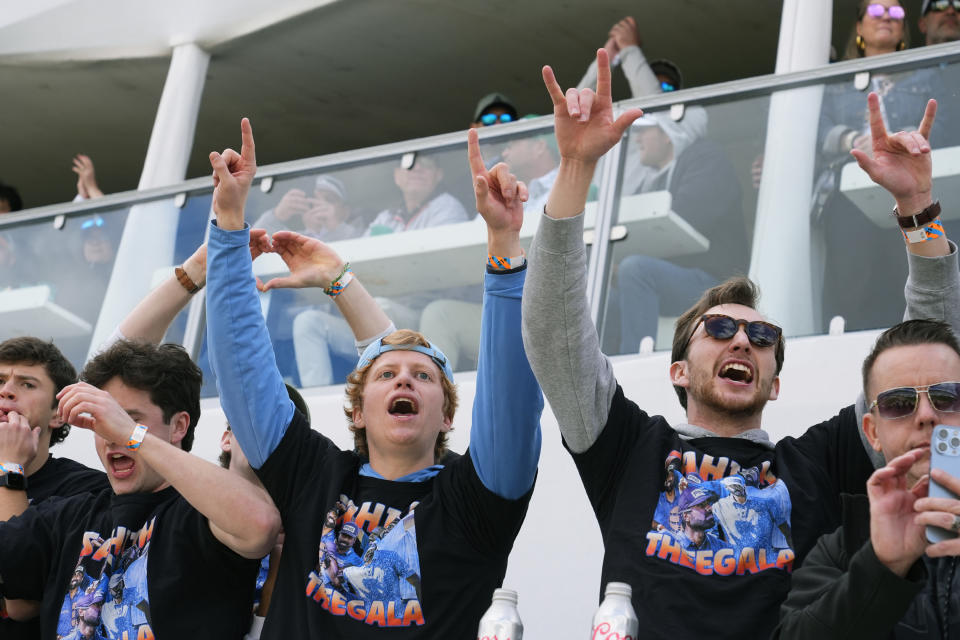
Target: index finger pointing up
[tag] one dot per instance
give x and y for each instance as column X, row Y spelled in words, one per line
column 929, row 115
column 477, row 168
column 247, row 148
column 877, row 129
column 553, row 87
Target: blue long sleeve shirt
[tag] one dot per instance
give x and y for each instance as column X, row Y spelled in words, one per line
column 505, row 437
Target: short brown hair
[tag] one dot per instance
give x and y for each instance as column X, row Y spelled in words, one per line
column 165, row 371
column 34, row 351
column 358, row 379
column 738, row 290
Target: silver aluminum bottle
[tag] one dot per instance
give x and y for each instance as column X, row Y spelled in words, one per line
column 502, row 620
column 615, row 619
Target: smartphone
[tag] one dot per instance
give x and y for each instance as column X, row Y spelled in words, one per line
column 944, row 454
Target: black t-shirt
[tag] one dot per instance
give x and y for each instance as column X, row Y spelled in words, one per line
column 64, row 477
column 723, row 571
column 131, row 566
column 362, row 554
column 57, row 477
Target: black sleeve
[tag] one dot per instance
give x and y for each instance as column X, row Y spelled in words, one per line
column 490, row 523
column 29, row 545
column 602, row 466
column 830, row 599
column 836, row 446
column 288, row 472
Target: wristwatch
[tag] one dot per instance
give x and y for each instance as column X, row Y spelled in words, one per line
column 929, row 214
column 12, row 476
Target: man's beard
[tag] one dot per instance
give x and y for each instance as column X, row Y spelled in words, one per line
column 705, row 393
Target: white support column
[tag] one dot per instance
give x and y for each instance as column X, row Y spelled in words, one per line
column 781, row 259
column 150, row 233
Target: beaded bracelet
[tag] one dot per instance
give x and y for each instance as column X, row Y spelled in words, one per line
column 339, row 284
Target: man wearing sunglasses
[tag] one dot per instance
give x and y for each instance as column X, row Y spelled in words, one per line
column 877, row 576
column 725, row 367
column 940, row 21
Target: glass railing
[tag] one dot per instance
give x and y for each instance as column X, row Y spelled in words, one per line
column 681, row 199
column 687, row 207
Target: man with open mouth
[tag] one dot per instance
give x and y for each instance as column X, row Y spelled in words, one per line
column 434, row 529
column 725, row 367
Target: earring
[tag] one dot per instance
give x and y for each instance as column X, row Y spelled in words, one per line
column 861, row 45
column 901, row 45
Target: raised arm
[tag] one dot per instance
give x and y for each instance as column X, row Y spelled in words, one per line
column 505, row 436
column 241, row 514
column 251, row 389
column 558, row 333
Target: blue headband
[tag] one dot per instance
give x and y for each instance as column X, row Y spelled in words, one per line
column 378, row 348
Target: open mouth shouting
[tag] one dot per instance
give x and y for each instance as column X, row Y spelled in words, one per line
column 738, row 372
column 403, row 406
column 120, row 466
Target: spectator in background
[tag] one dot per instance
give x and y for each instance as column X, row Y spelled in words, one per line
column 706, row 193
column 494, row 108
column 879, row 29
column 323, row 216
column 623, row 47
column 87, row 188
column 316, row 332
column 939, row 21
column 9, row 199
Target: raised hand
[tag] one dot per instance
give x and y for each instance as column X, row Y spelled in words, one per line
column 86, row 177
column 500, row 196
column 901, row 161
column 88, row 407
column 625, row 33
column 232, row 175
column 18, row 440
column 311, row 262
column 898, row 540
column 583, row 120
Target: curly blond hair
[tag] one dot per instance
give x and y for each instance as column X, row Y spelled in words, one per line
column 358, row 379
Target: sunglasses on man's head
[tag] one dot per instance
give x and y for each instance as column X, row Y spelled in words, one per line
column 902, row 401
column 877, row 10
column 488, row 119
column 943, row 5
column 723, row 327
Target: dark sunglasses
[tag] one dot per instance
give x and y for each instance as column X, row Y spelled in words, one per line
column 488, row 119
column 877, row 10
column 942, row 5
column 902, row 401
column 723, row 327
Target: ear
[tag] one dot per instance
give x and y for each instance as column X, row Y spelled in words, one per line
column 179, row 426
column 678, row 374
column 55, row 422
column 225, row 441
column 358, row 418
column 398, row 175
column 447, row 425
column 870, row 430
column 775, row 389
column 922, row 25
